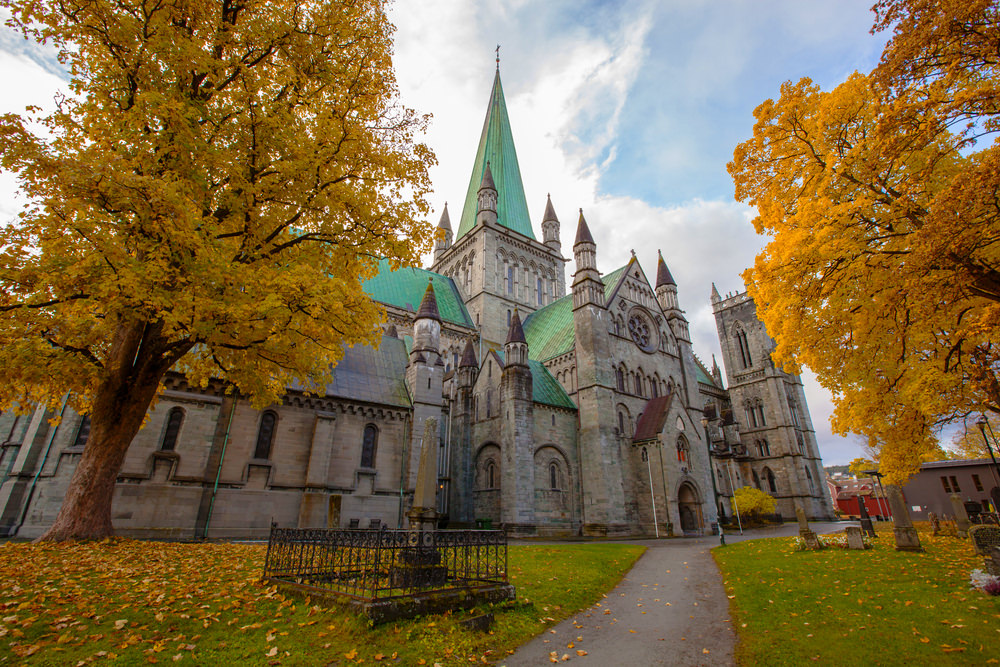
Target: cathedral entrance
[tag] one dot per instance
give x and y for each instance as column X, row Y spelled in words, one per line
column 689, row 508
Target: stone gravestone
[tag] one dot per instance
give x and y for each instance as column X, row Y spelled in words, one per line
column 854, row 539
column 807, row 535
column 419, row 565
column 985, row 538
column 935, row 523
column 961, row 516
column 993, row 562
column 902, row 527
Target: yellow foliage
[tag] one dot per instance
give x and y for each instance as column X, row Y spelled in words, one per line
column 882, row 275
column 209, row 200
column 752, row 502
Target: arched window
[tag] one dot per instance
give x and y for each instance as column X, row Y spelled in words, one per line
column 491, row 475
column 769, row 476
column 682, row 449
column 540, row 291
column 744, row 348
column 620, row 376
column 809, row 478
column 489, row 403
column 756, row 479
column 794, row 412
column 554, row 476
column 369, row 443
column 801, row 443
column 265, row 435
column 174, row 420
column 645, row 454
column 621, row 423
column 760, row 414
column 638, row 384
column 652, row 389
column 83, row 432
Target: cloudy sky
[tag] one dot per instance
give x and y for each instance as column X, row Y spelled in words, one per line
column 629, row 110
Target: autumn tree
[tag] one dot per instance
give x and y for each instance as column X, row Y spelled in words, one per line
column 752, row 502
column 208, row 199
column 883, row 272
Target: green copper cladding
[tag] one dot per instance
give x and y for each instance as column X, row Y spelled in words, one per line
column 405, row 288
column 496, row 145
column 549, row 330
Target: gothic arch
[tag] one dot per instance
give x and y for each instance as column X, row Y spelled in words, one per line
column 769, row 481
column 488, row 460
column 689, row 507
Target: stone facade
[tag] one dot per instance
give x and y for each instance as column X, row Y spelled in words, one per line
column 778, row 452
column 558, row 413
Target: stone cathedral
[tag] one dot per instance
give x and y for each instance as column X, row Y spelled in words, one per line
column 564, row 408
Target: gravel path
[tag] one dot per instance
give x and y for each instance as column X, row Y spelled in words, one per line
column 670, row 609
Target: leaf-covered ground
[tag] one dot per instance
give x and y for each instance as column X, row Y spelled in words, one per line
column 879, row 606
column 132, row 603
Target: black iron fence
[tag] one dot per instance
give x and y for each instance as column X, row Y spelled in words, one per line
column 383, row 564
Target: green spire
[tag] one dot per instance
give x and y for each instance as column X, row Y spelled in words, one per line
column 496, row 145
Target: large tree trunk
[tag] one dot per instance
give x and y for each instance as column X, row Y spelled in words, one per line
column 136, row 364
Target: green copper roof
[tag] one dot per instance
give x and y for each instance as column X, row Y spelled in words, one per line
column 545, row 389
column 405, row 288
column 549, row 331
column 496, row 145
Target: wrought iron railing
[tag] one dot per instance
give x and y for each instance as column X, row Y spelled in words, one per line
column 384, row 564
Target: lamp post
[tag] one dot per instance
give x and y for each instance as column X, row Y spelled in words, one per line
column 983, row 423
column 711, row 473
column 732, row 486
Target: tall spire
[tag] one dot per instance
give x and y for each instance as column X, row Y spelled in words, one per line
column 496, row 146
column 445, row 222
column 515, row 334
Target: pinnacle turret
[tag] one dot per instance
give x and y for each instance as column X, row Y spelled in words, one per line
column 583, row 234
column 469, row 356
column 515, row 334
column 444, row 230
column 428, row 305
column 663, row 276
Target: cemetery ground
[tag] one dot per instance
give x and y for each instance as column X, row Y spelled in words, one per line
column 131, row 602
column 135, row 603
column 879, row 606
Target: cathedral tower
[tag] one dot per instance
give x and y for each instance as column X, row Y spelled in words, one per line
column 600, row 459
column 495, row 258
column 770, row 407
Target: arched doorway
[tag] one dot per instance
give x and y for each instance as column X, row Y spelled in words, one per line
column 689, row 508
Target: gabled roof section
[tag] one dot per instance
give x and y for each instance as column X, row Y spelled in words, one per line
column 704, row 375
column 372, row 375
column 496, row 146
column 549, row 331
column 405, row 289
column 654, row 416
column 545, row 389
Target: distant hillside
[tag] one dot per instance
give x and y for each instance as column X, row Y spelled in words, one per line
column 832, row 469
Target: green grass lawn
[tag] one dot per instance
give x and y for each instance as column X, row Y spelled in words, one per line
column 136, row 603
column 878, row 607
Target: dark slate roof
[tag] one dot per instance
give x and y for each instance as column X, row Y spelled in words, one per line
column 428, row 305
column 515, row 334
column 469, row 355
column 496, row 146
column 371, row 375
column 405, row 287
column 545, row 389
column 583, row 234
column 445, row 222
column 663, row 276
column 654, row 416
column 550, row 213
column 549, row 330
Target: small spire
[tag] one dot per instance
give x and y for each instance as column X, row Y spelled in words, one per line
column 469, row 355
column 715, row 294
column 663, row 276
column 428, row 305
column 487, row 183
column 445, row 222
column 516, row 332
column 583, row 231
column 550, row 213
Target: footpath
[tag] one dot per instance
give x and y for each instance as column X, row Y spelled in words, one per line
column 670, row 609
